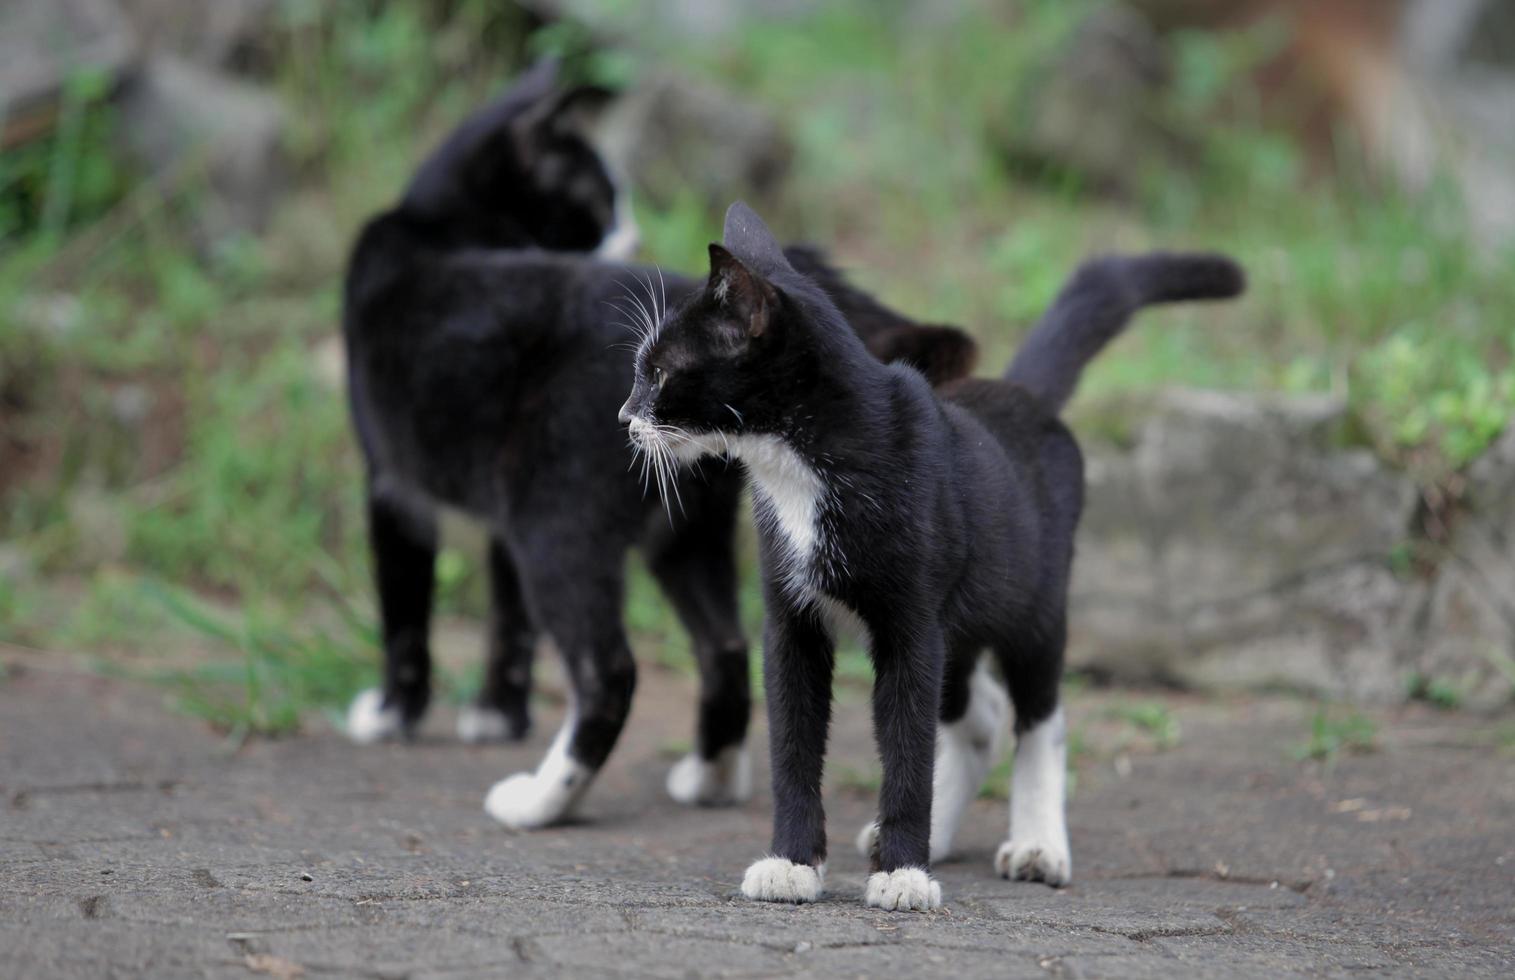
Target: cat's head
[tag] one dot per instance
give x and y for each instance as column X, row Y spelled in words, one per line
column 738, row 357
column 522, row 172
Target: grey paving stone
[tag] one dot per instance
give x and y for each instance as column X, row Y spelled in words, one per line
column 133, row 844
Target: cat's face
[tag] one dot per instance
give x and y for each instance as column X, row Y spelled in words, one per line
column 705, row 371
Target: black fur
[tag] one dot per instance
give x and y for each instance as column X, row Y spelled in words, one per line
column 1095, row 305
column 485, row 372
column 944, row 523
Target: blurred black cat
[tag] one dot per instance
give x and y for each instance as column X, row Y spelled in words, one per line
column 487, row 354
column 944, row 525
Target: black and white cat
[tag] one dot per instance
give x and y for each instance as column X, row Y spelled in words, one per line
column 943, row 524
column 487, row 354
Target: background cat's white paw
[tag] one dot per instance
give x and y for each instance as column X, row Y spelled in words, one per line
column 369, row 721
column 775, row 879
column 477, row 723
column 1034, row 860
column 867, row 838
column 903, row 890
column 721, row 781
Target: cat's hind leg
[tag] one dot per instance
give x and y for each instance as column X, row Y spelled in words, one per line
column 572, row 578
column 403, row 535
column 501, row 711
column 1037, row 849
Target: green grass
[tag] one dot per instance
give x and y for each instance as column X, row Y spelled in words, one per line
column 1153, row 720
column 1337, row 731
column 280, row 677
column 1437, row 691
column 182, row 436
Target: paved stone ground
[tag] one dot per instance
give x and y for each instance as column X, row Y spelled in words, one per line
column 136, row 843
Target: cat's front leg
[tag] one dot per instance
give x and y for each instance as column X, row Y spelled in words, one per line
column 798, row 657
column 907, row 662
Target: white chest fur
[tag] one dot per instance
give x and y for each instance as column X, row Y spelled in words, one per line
column 790, row 497
column 789, row 494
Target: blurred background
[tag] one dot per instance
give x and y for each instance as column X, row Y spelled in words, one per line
column 1310, row 491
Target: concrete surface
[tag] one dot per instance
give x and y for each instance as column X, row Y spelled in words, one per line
column 134, row 842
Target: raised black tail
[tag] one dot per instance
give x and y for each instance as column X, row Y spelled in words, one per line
column 1097, row 303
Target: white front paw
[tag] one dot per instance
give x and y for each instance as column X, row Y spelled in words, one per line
column 721, row 781
column 527, row 801
column 369, row 721
column 903, row 890
column 477, row 724
column 1034, row 860
column 775, row 879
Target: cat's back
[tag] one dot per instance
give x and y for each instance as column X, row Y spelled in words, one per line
column 1010, row 413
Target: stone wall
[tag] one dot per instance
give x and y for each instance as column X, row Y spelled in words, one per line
column 1240, row 541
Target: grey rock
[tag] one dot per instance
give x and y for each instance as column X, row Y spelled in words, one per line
column 207, row 34
column 1469, row 637
column 1236, row 543
column 42, row 42
column 674, row 134
column 177, row 119
column 1095, row 111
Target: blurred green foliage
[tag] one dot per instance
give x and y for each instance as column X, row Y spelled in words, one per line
column 234, row 475
column 1334, row 731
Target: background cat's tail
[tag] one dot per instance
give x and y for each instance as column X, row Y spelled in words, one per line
column 942, row 353
column 1097, row 303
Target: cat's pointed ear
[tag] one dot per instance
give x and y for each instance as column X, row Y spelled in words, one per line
column 483, row 145
column 746, row 235
column 535, row 83
column 570, row 111
column 747, row 296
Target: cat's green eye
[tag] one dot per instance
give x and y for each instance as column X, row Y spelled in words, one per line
column 658, row 377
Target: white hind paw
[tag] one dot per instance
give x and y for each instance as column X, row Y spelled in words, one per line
column 721, row 781
column 369, row 721
column 775, row 879
column 903, row 890
column 1034, row 860
column 867, row 838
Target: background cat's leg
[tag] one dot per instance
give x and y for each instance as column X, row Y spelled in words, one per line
column 908, row 660
column 502, row 710
column 1038, row 846
column 695, row 563
column 970, row 734
column 403, row 535
column 572, row 577
column 798, row 659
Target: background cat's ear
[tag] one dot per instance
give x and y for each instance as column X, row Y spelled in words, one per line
column 747, row 296
column 482, row 146
column 746, row 235
column 572, row 111
column 535, row 83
